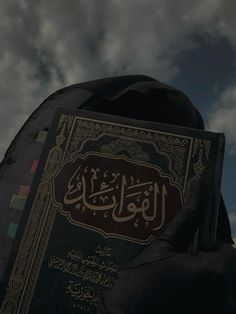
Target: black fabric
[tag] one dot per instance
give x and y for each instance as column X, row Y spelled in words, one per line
column 17, row 162
column 146, row 100
column 135, row 96
column 223, row 230
column 167, row 279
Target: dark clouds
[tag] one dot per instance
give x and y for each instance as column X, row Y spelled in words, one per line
column 46, row 45
column 223, row 116
column 49, row 44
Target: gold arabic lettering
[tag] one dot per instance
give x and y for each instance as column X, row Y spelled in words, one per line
column 137, row 198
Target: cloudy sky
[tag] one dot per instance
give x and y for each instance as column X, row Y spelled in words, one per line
column 46, row 45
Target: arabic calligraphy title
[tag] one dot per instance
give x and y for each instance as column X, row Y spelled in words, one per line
column 106, row 193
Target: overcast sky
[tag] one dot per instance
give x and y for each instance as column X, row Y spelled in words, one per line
column 46, row 45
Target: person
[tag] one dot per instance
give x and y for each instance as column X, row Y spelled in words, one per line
column 165, row 277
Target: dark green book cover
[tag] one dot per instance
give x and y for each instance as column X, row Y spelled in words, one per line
column 104, row 188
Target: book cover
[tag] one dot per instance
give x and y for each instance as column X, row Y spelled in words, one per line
column 104, row 188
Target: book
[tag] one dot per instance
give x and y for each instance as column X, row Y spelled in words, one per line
column 105, row 186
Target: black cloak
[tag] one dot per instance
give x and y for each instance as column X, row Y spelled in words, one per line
column 135, row 96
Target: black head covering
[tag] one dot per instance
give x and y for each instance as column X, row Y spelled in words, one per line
column 142, row 97
column 136, row 96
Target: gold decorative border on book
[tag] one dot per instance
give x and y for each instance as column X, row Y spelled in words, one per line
column 27, row 263
column 172, row 146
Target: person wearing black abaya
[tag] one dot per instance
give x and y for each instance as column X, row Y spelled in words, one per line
column 165, row 278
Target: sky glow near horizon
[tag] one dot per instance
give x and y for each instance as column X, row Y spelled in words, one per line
column 188, row 44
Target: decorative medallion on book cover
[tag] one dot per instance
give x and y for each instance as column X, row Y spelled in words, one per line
column 116, row 197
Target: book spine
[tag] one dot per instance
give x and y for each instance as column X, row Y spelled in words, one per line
column 217, row 185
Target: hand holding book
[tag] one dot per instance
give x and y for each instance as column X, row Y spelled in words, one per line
column 105, row 187
column 166, row 278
